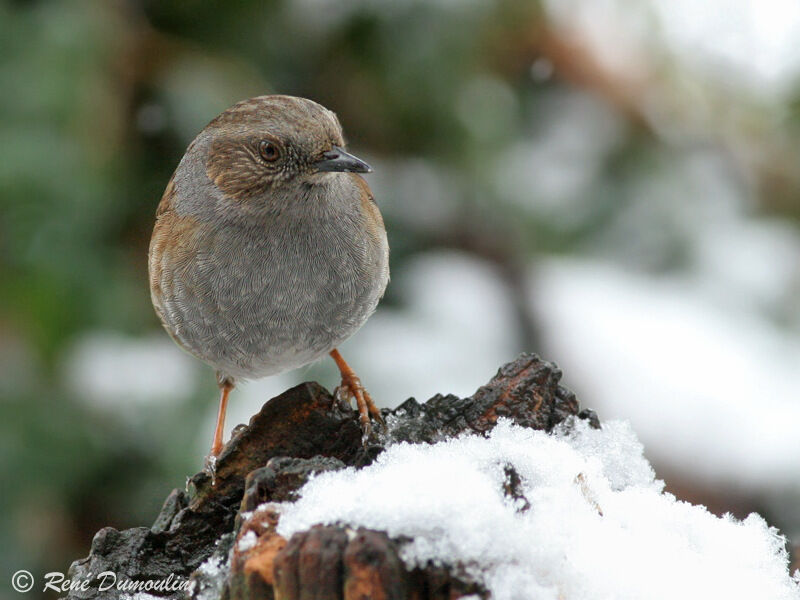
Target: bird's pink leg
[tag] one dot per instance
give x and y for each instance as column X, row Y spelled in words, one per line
column 216, row 445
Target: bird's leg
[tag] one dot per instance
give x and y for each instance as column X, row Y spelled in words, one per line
column 225, row 385
column 351, row 387
column 219, row 431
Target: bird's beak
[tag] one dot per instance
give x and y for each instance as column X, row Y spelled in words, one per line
column 339, row 160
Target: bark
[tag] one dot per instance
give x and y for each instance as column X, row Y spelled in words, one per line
column 301, row 432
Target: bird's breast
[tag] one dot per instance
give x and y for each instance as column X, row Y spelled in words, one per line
column 257, row 298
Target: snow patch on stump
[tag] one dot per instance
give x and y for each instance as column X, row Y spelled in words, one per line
column 586, row 518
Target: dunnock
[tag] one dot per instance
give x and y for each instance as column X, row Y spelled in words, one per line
column 268, row 250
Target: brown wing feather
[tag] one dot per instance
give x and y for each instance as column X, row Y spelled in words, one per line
column 172, row 245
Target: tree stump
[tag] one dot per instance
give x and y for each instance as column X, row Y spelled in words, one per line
column 201, row 540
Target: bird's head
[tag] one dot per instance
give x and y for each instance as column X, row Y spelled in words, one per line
column 272, row 144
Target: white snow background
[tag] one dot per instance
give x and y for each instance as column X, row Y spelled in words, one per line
column 449, row 498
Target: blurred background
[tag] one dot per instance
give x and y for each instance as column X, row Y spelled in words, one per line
column 613, row 184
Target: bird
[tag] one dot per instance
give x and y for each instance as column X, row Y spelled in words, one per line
column 269, row 250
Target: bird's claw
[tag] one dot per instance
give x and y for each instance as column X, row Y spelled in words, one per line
column 352, row 389
column 210, row 467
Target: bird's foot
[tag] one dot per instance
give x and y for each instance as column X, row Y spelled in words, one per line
column 210, row 467
column 352, row 389
column 226, row 384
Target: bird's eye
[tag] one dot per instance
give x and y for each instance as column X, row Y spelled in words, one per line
column 269, row 151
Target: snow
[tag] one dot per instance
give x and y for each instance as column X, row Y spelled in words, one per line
column 599, row 524
column 672, row 357
column 212, row 567
column 247, row 541
column 209, row 578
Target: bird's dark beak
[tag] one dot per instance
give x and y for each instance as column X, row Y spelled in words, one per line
column 339, row 160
